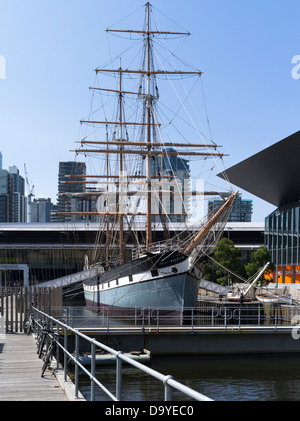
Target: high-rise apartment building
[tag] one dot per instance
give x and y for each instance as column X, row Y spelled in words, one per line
column 241, row 212
column 6, row 196
column 19, row 200
column 13, row 203
column 41, row 210
column 71, row 177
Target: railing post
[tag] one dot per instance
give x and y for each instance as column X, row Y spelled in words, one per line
column 119, row 377
column 93, row 370
column 168, row 389
column 6, row 309
column 107, row 322
column 25, row 303
column 76, row 365
column 57, row 348
column 16, row 309
column 192, row 319
column 21, row 309
column 143, row 321
column 65, row 355
column 12, row 309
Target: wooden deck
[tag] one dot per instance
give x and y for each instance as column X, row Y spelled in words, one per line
column 20, row 372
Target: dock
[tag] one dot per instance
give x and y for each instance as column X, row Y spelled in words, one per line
column 20, row 372
column 212, row 328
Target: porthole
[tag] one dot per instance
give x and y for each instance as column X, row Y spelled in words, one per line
column 154, row 272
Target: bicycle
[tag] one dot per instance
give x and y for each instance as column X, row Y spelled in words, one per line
column 42, row 340
column 51, row 352
column 29, row 325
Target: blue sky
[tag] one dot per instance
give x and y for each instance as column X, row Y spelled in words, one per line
column 244, row 48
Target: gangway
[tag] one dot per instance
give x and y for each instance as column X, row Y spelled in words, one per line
column 67, row 280
column 215, row 288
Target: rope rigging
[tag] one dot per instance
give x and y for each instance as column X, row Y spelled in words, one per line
column 150, row 127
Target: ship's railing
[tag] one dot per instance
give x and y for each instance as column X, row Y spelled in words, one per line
column 168, row 382
column 158, row 247
column 206, row 314
column 153, row 248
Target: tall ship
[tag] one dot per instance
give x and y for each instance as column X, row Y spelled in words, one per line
column 140, row 186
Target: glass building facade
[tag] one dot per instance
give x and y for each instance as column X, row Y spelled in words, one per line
column 282, row 238
column 69, row 184
column 241, row 211
column 44, row 264
column 13, row 202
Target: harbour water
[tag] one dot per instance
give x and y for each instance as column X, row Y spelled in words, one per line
column 262, row 377
column 222, row 378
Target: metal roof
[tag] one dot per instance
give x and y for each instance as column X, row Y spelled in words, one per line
column 86, row 227
column 272, row 174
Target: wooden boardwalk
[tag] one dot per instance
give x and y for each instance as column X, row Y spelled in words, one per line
column 20, row 372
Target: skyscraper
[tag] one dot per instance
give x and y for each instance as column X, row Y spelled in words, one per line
column 19, row 201
column 241, row 211
column 41, row 210
column 6, row 196
column 67, row 203
column 13, row 203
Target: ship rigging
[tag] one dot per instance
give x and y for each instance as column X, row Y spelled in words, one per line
column 139, row 181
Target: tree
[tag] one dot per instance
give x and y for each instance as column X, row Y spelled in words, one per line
column 258, row 259
column 228, row 256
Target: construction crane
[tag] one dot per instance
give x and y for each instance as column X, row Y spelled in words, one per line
column 30, row 194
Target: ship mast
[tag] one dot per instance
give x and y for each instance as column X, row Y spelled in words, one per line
column 121, row 147
column 121, row 215
column 148, row 165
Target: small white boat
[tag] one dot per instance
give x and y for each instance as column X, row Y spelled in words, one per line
column 274, row 299
column 110, row 359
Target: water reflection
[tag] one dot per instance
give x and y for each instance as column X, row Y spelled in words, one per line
column 222, row 378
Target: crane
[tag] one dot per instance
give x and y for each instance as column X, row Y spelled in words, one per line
column 30, row 194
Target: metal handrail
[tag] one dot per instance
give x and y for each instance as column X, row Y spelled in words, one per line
column 168, row 381
column 194, row 319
